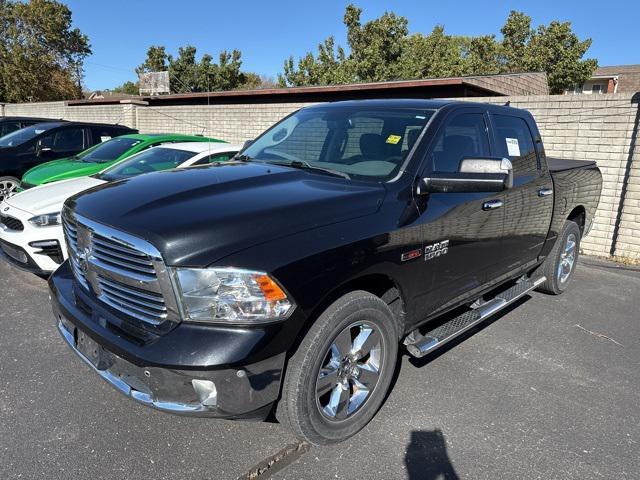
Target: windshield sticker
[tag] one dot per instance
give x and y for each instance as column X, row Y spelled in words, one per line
column 393, row 139
column 513, row 147
column 104, row 138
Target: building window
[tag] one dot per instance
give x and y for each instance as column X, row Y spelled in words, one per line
column 598, row 88
column 577, row 89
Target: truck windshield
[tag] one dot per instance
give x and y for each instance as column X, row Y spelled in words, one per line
column 367, row 144
column 23, row 135
column 108, row 151
column 153, row 160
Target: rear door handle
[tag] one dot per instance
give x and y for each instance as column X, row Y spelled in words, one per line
column 545, row 192
column 492, row 204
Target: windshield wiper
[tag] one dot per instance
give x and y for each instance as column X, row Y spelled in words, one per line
column 301, row 164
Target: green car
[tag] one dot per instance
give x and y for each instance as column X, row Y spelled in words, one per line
column 101, row 156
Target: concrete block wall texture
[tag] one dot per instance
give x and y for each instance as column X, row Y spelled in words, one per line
column 594, row 127
column 599, row 128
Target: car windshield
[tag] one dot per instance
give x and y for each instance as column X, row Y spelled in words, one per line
column 108, row 151
column 23, row 135
column 355, row 142
column 153, row 160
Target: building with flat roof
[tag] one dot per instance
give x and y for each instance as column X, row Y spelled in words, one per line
column 452, row 87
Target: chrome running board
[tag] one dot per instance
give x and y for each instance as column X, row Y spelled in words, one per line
column 420, row 345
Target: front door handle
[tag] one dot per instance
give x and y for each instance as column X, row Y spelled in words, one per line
column 545, row 192
column 492, row 204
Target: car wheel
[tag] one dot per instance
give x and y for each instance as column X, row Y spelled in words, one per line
column 341, row 372
column 8, row 187
column 561, row 262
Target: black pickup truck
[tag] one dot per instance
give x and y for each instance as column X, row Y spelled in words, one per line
column 287, row 280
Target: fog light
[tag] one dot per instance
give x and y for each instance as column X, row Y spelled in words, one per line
column 206, row 391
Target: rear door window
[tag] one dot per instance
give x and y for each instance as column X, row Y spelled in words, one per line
column 515, row 142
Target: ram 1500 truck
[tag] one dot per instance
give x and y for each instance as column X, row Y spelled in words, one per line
column 288, row 279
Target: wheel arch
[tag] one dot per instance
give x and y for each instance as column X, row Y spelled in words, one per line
column 579, row 216
column 379, row 284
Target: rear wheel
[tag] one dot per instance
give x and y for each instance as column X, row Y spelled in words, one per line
column 561, row 262
column 8, row 187
column 339, row 376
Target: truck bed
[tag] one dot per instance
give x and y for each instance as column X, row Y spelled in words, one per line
column 562, row 164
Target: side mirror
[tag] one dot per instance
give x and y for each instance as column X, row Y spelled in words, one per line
column 474, row 175
column 246, row 144
column 44, row 151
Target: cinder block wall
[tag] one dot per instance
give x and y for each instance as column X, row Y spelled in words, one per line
column 589, row 127
column 233, row 123
column 600, row 128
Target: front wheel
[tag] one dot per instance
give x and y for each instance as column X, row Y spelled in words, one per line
column 561, row 262
column 339, row 376
column 8, row 187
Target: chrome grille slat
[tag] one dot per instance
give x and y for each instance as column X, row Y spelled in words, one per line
column 133, row 302
column 115, row 246
column 139, row 313
column 123, row 272
column 123, row 263
column 128, row 290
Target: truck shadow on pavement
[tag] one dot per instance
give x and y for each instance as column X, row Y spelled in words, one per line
column 427, row 458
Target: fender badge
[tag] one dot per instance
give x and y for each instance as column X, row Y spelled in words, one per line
column 411, row 255
column 6, row 209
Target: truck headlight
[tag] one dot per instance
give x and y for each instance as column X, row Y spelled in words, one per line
column 46, row 220
column 231, row 295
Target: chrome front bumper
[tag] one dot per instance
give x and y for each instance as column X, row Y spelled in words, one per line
column 244, row 393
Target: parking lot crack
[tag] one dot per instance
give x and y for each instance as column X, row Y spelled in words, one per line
column 599, row 335
column 277, row 462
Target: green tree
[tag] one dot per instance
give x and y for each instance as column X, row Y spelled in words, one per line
column 188, row 74
column 156, row 60
column 128, row 88
column 41, row 55
column 382, row 50
column 433, row 55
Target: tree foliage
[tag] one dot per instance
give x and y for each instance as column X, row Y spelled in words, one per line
column 188, row 74
column 382, row 49
column 41, row 55
column 128, row 88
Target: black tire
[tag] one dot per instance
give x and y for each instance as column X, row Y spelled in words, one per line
column 8, row 186
column 301, row 406
column 556, row 283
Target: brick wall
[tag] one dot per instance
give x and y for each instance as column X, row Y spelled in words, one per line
column 598, row 127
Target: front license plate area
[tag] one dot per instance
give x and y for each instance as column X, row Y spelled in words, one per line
column 91, row 350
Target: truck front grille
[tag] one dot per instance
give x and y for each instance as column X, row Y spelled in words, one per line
column 11, row 223
column 124, row 272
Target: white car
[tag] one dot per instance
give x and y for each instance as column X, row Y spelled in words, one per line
column 31, row 236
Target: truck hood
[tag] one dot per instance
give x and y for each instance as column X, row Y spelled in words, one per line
column 50, row 198
column 61, row 170
column 197, row 216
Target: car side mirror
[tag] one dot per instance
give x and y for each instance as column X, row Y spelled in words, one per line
column 44, row 151
column 474, row 175
column 246, row 144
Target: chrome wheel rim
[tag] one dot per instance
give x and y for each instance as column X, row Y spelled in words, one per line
column 7, row 189
column 567, row 258
column 350, row 371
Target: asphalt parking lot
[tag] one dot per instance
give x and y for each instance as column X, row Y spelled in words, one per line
column 550, row 389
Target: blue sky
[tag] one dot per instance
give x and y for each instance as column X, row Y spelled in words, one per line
column 267, row 32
